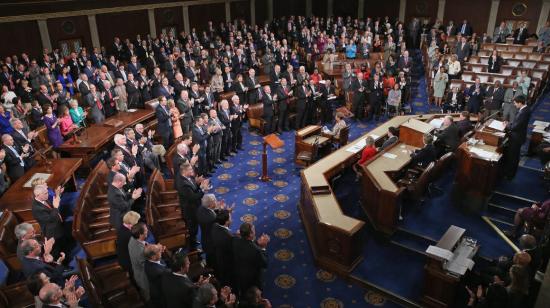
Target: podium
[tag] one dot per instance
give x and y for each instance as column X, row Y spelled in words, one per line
column 412, row 132
column 274, row 142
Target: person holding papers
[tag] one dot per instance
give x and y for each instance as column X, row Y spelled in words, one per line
column 517, row 133
column 338, row 126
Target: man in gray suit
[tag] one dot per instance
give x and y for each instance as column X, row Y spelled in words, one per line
column 95, row 101
column 508, row 108
column 500, row 34
column 119, row 200
column 136, row 246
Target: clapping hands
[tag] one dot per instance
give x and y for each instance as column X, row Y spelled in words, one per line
column 263, row 240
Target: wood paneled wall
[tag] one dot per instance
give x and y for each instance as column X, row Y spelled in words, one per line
column 20, row 36
column 199, row 15
column 345, row 8
column 289, row 7
column 374, row 9
column 241, row 10
column 424, row 8
column 68, row 28
column 169, row 17
column 261, row 11
column 532, row 13
column 454, row 10
column 124, row 25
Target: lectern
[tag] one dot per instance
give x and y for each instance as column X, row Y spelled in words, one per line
column 274, row 142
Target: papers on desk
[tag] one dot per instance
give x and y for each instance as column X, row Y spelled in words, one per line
column 460, row 265
column 498, row 125
column 132, row 110
column 38, row 175
column 331, row 97
column 439, row 253
column 358, row 146
column 483, row 154
column 541, row 123
column 436, row 123
column 389, row 155
column 375, row 137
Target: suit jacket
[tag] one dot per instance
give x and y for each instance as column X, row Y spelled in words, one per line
column 449, row 137
column 154, row 273
column 459, row 99
column 83, row 88
column 206, row 218
column 518, row 128
column 462, row 51
column 424, row 156
column 228, row 85
column 464, row 126
column 252, row 92
column 135, row 250
column 509, row 95
column 268, row 105
column 31, row 266
column 123, row 236
column 190, row 195
column 13, row 163
column 222, row 248
column 178, row 291
column 520, row 37
column 97, row 113
column 49, row 219
column 119, row 203
column 495, row 98
column 249, row 260
column 164, row 126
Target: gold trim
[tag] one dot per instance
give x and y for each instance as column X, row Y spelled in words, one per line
column 524, row 9
column 501, row 234
column 119, row 9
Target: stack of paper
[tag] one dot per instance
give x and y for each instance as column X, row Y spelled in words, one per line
column 436, row 123
column 498, row 125
column 358, row 146
column 389, row 155
column 439, row 253
column 484, row 154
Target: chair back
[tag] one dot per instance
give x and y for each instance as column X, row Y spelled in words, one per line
column 91, row 284
column 8, row 241
column 344, row 136
column 421, row 184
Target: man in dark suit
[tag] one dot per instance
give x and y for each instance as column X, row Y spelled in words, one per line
column 424, row 156
column 249, row 258
column 95, row 101
column 275, row 76
column 376, row 97
column 185, row 107
column 464, row 124
column 405, row 63
column 206, row 216
column 200, row 137
column 190, row 192
column 463, row 50
column 476, row 92
column 120, row 202
column 33, row 262
column 155, row 269
column 134, row 94
column 516, row 132
column 16, row 158
column 268, row 112
column 177, row 289
column 447, row 136
column 465, row 29
column 302, row 94
column 253, row 86
column 454, row 101
column 494, row 99
column 222, row 247
column 164, row 126
column 84, row 85
column 283, row 93
column 521, row 34
column 121, row 73
column 228, row 79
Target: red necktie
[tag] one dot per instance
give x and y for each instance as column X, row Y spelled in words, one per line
column 46, row 204
column 99, row 106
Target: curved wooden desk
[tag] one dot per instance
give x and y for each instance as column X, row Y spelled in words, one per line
column 336, row 239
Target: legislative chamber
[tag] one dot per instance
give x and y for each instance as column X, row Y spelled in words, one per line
column 288, row 153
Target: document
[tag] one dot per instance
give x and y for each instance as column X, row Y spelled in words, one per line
column 436, row 123
column 541, row 123
column 358, row 146
column 38, row 175
column 389, row 155
column 374, row 136
column 498, row 125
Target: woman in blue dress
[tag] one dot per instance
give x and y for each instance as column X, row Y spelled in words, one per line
column 66, row 80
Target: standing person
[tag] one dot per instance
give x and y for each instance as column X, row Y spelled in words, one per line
column 268, row 111
column 52, row 126
column 49, row 218
column 376, row 96
column 123, row 236
column 226, row 118
column 136, row 246
column 439, row 86
column 165, row 122
column 190, row 190
column 359, row 87
column 283, row 93
column 185, row 107
column 222, row 239
column 249, row 257
column 120, row 202
column 475, row 95
column 95, row 100
column 508, row 108
column 175, row 117
column 302, row 95
column 239, row 112
column 253, row 85
column 517, row 132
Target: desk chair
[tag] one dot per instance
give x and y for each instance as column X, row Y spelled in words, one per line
column 342, row 139
column 417, row 187
column 309, row 157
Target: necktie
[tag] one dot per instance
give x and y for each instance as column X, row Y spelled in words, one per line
column 46, row 204
column 98, row 103
column 21, row 162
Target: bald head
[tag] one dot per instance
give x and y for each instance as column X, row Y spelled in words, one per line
column 50, row 294
column 119, row 180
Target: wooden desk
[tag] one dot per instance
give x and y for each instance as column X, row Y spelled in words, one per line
column 304, row 140
column 489, row 135
column 380, row 196
column 439, row 287
column 95, row 137
column 412, row 132
column 476, row 176
column 18, row 199
column 336, row 239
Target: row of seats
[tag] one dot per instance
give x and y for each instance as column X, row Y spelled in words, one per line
column 506, row 70
column 528, row 64
column 508, row 47
column 519, row 55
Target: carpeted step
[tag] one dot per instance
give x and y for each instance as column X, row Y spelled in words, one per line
column 411, row 241
column 509, row 201
column 500, row 212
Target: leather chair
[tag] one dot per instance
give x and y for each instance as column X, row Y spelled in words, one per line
column 417, row 187
column 16, row 295
column 108, row 286
column 8, row 241
column 169, row 158
column 254, row 114
column 342, row 140
column 309, row 157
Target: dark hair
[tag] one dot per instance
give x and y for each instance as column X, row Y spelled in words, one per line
column 222, row 217
column 178, row 260
column 111, row 162
column 520, row 100
column 245, row 230
column 34, row 283
column 393, row 130
column 138, row 229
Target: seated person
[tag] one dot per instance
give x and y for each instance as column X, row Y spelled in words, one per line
column 424, row 156
column 447, row 136
column 394, row 99
column 35, row 261
column 454, row 101
column 393, row 137
column 534, row 216
column 338, row 126
column 464, row 125
column 368, row 152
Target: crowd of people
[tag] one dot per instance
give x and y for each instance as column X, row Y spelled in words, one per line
column 188, row 74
